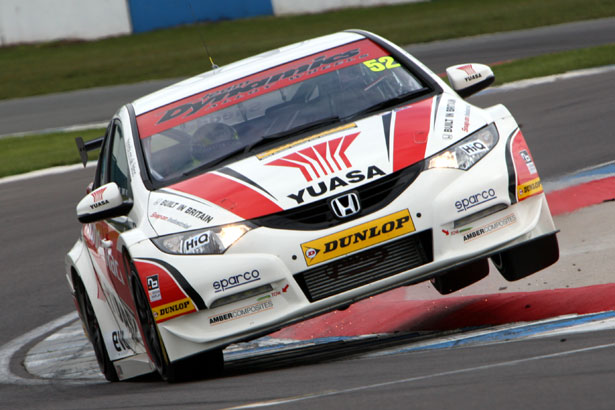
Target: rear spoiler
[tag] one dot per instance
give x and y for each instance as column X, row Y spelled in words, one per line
column 85, row 147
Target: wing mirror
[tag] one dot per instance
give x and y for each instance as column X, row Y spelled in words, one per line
column 102, row 203
column 468, row 79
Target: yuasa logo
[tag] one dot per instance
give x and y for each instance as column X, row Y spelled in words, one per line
column 476, row 199
column 98, row 194
column 321, row 159
column 470, row 71
column 237, row 280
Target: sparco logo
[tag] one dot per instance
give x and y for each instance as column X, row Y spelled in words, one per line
column 237, row 280
column 476, row 199
column 321, row 159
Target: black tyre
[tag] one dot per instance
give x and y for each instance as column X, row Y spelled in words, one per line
column 90, row 323
column 208, row 363
column 458, row 278
column 530, row 257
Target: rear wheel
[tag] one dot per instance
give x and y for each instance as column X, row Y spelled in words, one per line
column 93, row 331
column 208, row 363
column 527, row 258
column 458, row 278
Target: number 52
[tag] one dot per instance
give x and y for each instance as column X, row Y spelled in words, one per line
column 381, row 63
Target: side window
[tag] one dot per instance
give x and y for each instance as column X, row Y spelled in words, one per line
column 102, row 170
column 118, row 162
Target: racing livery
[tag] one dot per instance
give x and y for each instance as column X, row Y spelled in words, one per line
column 290, row 184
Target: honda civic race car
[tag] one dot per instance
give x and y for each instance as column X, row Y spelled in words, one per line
column 289, row 184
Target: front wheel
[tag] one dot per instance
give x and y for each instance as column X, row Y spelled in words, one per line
column 208, row 363
column 92, row 328
column 530, row 257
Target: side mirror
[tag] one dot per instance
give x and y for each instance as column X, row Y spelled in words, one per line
column 102, row 203
column 468, row 79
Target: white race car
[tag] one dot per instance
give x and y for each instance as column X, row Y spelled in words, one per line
column 289, row 184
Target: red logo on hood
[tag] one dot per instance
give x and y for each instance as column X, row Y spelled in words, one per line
column 321, row 159
column 468, row 69
column 98, row 195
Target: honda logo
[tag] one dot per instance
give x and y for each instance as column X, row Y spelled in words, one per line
column 345, row 205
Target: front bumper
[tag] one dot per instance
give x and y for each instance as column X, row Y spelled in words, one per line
column 259, row 285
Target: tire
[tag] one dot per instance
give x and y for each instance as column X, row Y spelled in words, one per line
column 527, row 258
column 458, row 278
column 92, row 328
column 209, row 363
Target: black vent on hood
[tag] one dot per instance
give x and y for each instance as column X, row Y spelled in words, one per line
column 318, row 215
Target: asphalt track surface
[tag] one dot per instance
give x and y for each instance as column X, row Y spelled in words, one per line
column 568, row 127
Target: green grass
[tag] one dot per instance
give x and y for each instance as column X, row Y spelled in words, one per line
column 23, row 154
column 555, row 63
column 48, row 150
column 39, row 69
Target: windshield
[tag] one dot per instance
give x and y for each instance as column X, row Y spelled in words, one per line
column 198, row 132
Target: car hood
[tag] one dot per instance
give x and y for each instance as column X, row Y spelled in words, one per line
column 317, row 166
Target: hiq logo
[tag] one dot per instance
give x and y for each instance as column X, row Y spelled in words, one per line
column 476, row 199
column 191, row 245
column 473, row 148
column 237, row 280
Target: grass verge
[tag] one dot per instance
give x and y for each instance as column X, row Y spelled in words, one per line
column 39, row 69
column 28, row 153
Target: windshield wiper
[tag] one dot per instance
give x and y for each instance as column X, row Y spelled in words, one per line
column 391, row 102
column 293, row 131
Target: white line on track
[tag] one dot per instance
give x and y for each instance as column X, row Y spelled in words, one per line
column 286, row 400
column 8, row 350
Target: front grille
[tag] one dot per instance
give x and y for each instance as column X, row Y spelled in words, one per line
column 318, row 215
column 367, row 266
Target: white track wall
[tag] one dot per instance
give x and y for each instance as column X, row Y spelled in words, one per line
column 30, row 21
column 284, row 7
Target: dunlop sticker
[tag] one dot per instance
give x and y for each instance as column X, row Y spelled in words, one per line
column 358, row 237
column 170, row 310
column 528, row 189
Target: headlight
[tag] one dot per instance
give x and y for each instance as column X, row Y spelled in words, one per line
column 208, row 241
column 467, row 152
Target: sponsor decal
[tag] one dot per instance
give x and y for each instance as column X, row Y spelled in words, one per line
column 241, row 312
column 449, row 119
column 528, row 161
column 285, row 288
column 466, row 120
column 192, row 245
column 98, row 194
column 174, row 221
column 323, row 187
column 528, row 189
column 475, row 200
column 490, row 228
column 473, row 148
column 455, row 231
column 319, row 160
column 171, row 310
column 471, row 74
column 185, row 209
column 267, row 81
column 153, row 288
column 358, row 237
column 284, row 147
column 237, row 280
column 119, row 341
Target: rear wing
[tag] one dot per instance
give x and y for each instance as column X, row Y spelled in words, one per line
column 85, row 147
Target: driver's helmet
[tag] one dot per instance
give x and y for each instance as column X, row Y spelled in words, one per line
column 209, row 137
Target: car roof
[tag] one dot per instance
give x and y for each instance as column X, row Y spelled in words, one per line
column 239, row 69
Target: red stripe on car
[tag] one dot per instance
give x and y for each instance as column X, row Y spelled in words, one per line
column 411, row 129
column 228, row 194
